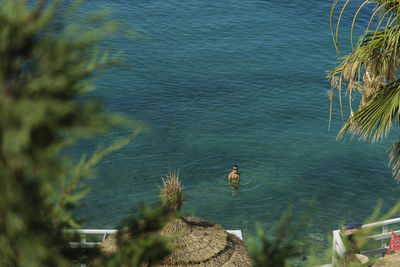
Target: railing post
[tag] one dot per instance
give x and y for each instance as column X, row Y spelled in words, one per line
column 383, row 243
column 333, row 249
column 339, row 249
column 83, row 240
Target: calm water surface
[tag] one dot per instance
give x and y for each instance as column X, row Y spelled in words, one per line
column 235, row 82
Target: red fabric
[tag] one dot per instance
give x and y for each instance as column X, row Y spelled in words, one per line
column 394, row 243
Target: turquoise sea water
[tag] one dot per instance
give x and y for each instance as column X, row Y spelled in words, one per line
column 235, row 82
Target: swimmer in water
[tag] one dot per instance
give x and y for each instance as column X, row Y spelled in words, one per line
column 234, row 177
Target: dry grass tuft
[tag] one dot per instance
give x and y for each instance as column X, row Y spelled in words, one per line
column 172, row 191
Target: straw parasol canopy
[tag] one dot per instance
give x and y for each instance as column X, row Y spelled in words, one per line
column 200, row 243
column 388, row 261
column 109, row 246
column 196, row 242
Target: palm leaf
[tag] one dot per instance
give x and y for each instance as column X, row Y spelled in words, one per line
column 375, row 119
column 354, row 20
column 394, row 159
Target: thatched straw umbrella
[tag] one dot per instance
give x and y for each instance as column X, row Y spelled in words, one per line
column 200, row 243
column 388, row 261
column 109, row 246
column 196, row 242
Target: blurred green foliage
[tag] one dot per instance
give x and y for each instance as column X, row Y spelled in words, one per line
column 47, row 63
column 285, row 245
column 144, row 245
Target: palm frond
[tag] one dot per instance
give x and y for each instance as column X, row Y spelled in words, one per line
column 354, row 20
column 338, row 22
column 374, row 120
column 381, row 8
column 371, row 65
column 394, row 160
column 331, row 25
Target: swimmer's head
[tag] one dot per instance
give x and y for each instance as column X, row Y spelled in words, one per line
column 235, row 168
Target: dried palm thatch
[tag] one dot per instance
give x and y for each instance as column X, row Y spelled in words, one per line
column 171, row 192
column 110, row 246
column 388, row 261
column 200, row 243
column 197, row 243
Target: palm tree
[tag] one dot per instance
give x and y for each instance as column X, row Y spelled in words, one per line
column 371, row 69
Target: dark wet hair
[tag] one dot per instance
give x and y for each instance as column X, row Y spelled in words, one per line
column 235, row 166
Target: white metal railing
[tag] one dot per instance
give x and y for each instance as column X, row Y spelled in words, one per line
column 339, row 249
column 93, row 232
